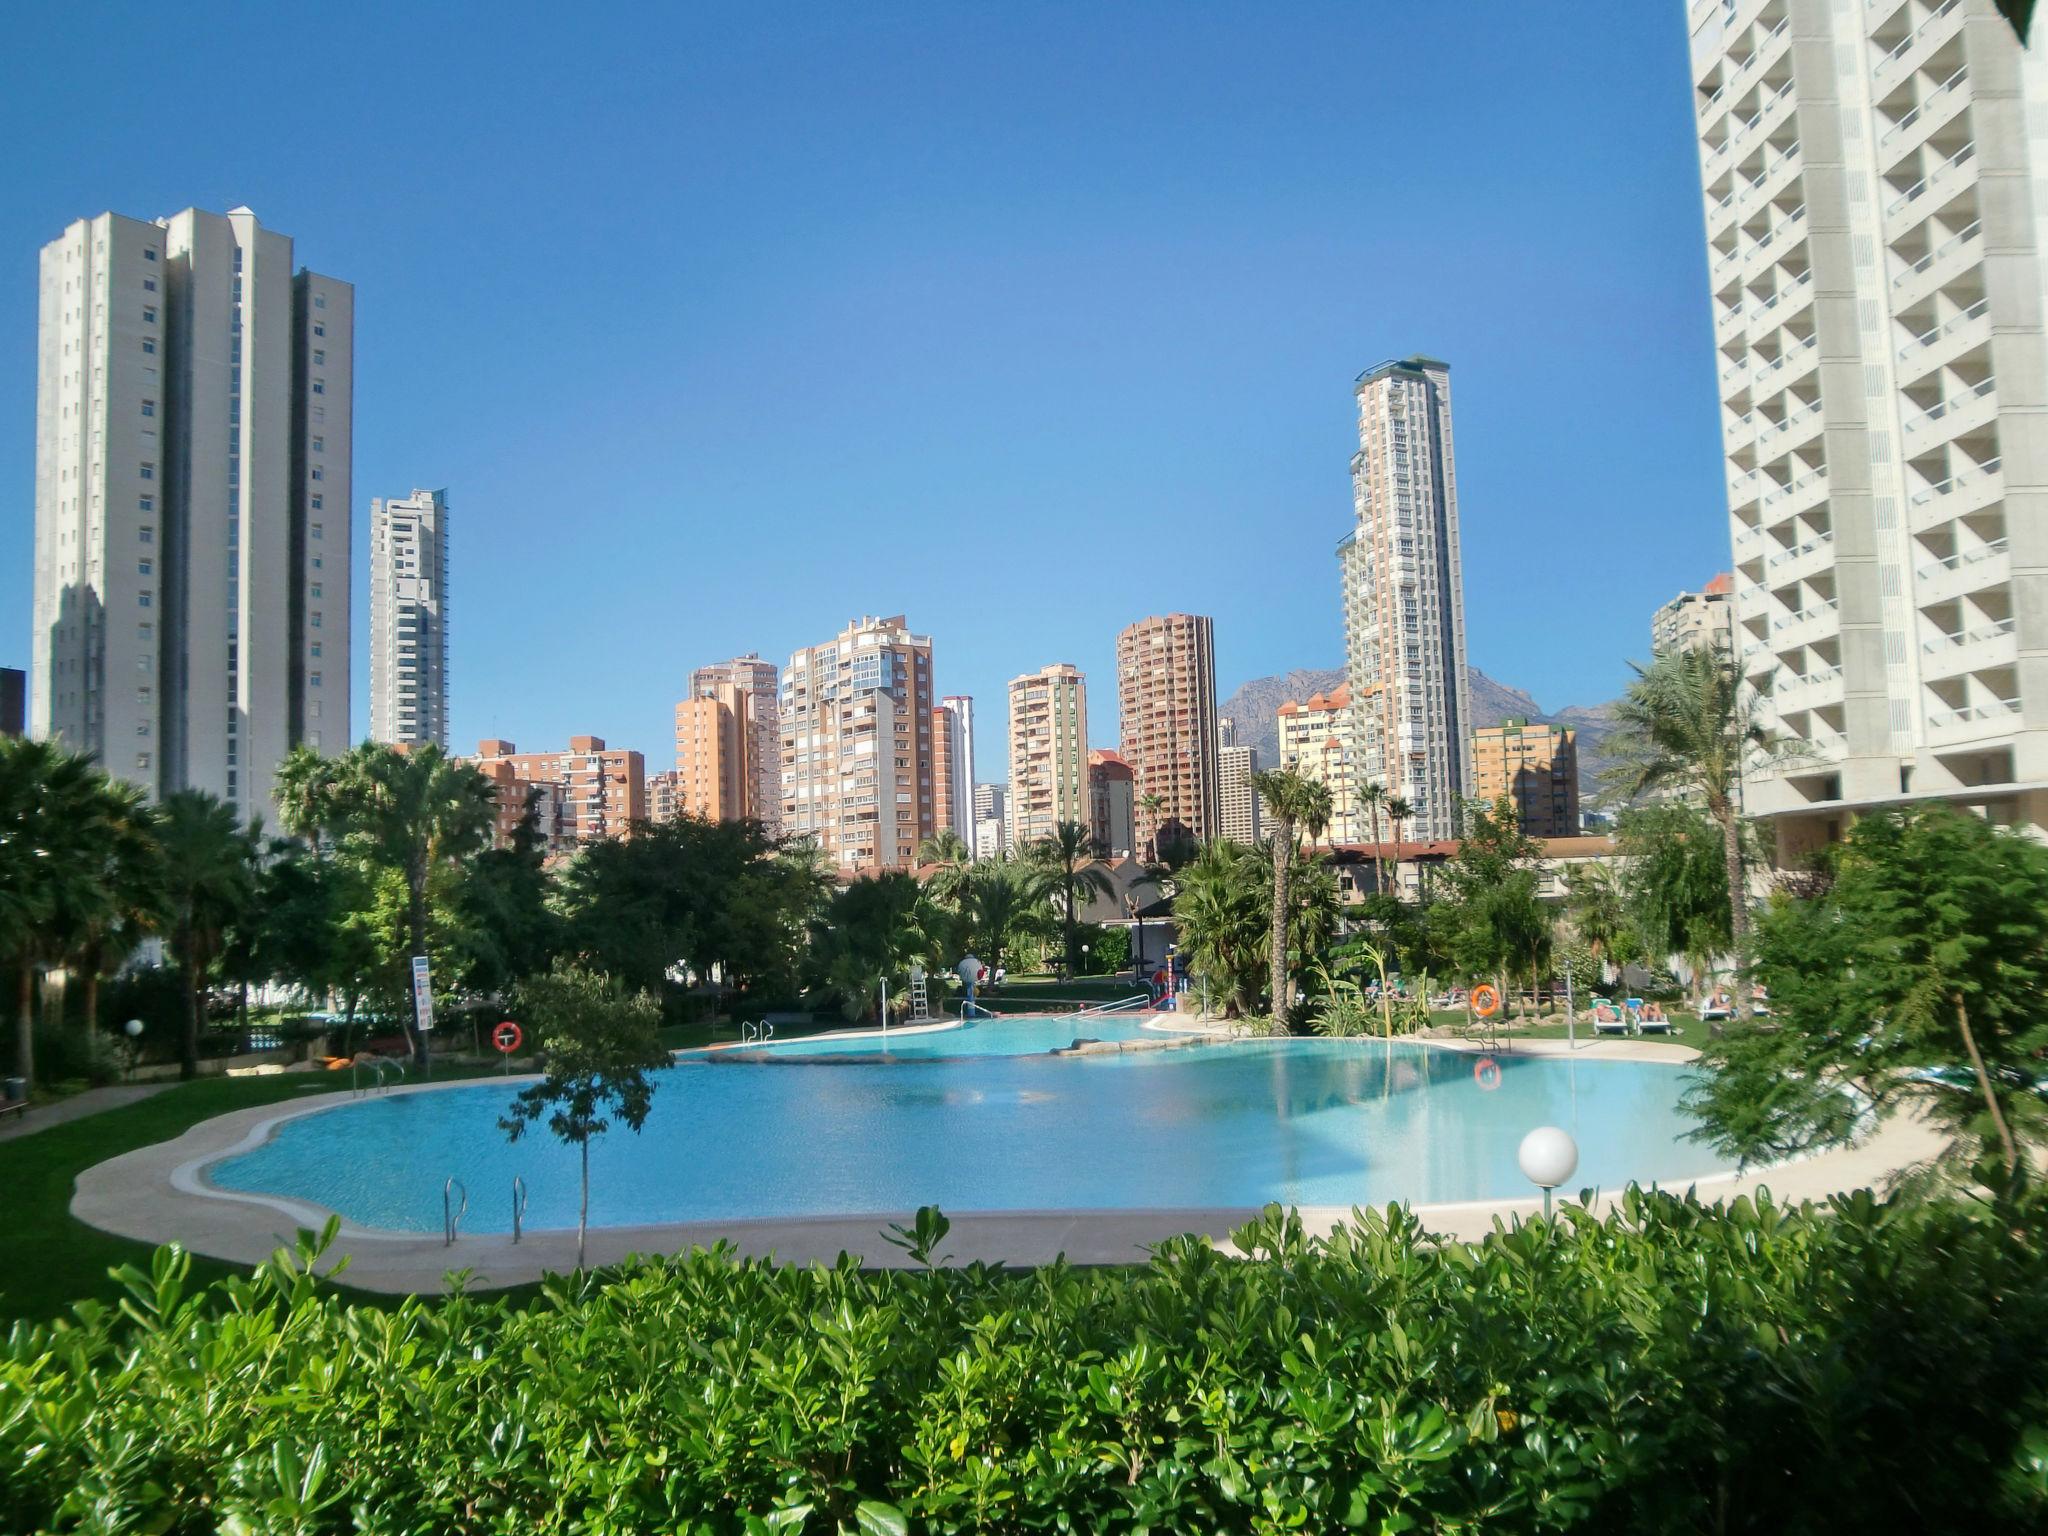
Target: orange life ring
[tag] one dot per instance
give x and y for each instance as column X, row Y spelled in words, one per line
column 1485, row 1001
column 1486, row 1073
column 507, row 1036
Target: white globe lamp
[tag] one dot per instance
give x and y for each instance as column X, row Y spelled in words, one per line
column 133, row 1029
column 1548, row 1156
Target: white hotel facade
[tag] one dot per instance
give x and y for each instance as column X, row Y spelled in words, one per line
column 409, row 619
column 1876, row 217
column 192, row 502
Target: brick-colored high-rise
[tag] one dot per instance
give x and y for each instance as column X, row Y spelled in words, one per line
column 1537, row 767
column 715, row 741
column 856, row 745
column 1166, row 706
column 762, row 729
column 605, row 787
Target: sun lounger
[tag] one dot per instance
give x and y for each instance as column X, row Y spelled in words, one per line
column 1645, row 1025
column 1608, row 1019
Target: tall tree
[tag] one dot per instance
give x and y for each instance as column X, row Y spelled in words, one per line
column 874, row 931
column 305, row 790
column 1688, row 722
column 113, row 835
column 509, row 930
column 1222, row 914
column 413, row 812
column 1398, row 812
column 1297, row 803
column 1594, row 902
column 1493, row 919
column 949, row 859
column 209, row 874
column 1676, row 885
column 1373, row 798
column 600, row 1046
column 998, row 893
column 1065, row 863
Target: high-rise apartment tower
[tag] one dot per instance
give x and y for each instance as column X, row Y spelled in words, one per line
column 1166, row 709
column 758, row 680
column 1404, row 595
column 192, row 502
column 409, row 619
column 953, row 765
column 1875, row 225
column 1048, row 752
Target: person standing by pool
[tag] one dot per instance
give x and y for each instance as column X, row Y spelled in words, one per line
column 970, row 977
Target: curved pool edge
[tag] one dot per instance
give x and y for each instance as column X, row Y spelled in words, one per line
column 160, row 1194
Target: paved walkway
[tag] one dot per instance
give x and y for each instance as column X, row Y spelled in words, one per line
column 94, row 1101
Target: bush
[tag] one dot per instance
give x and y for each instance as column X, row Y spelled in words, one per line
column 1667, row 1368
column 73, row 1053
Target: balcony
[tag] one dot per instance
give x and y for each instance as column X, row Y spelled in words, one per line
column 1942, row 175
column 1802, row 557
column 1968, row 570
column 1809, row 690
column 1807, row 625
column 1939, row 266
column 1919, row 355
column 1909, row 49
column 1966, row 491
column 1959, row 412
column 1783, row 370
column 1976, row 649
column 1928, row 115
column 1993, row 718
column 1783, row 304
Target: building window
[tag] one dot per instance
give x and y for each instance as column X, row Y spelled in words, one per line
column 319, row 301
column 314, row 678
column 317, row 503
column 316, row 562
column 319, row 386
column 145, row 534
column 148, row 470
column 149, row 345
column 316, row 527
column 149, row 407
column 146, row 504
column 316, row 621
column 149, row 285
column 142, row 762
column 315, row 649
column 319, row 473
column 319, row 354
column 319, row 445
column 149, row 253
column 316, row 589
column 149, row 314
column 144, row 568
column 319, row 327
column 142, row 600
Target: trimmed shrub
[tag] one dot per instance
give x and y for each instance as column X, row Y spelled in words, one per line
column 1670, row 1368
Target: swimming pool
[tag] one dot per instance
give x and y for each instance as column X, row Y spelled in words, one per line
column 1017, row 1035
column 1237, row 1124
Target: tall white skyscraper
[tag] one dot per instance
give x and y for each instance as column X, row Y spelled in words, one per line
column 1404, row 596
column 409, row 619
column 956, row 754
column 192, row 502
column 1876, row 198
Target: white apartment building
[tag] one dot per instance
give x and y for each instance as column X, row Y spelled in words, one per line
column 857, row 745
column 1876, row 197
column 1239, row 816
column 1404, row 596
column 409, row 619
column 192, row 502
column 1048, row 752
column 991, row 824
column 1316, row 741
column 956, row 796
column 1695, row 620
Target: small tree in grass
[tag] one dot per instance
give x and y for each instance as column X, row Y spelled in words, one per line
column 600, row 1044
column 1916, row 974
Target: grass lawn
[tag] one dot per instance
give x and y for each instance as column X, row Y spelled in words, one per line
column 1686, row 1029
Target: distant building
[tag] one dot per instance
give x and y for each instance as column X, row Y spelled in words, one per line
column 1404, row 595
column 856, row 720
column 1166, row 710
column 1240, row 817
column 13, row 701
column 1693, row 620
column 409, row 619
column 759, row 681
column 1537, row 767
column 550, row 801
column 1048, row 752
column 991, row 825
column 1316, row 742
column 1112, row 804
column 604, row 789
column 715, row 746
column 953, row 766
column 664, row 796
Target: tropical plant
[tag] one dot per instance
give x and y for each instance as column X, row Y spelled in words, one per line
column 1223, row 916
column 1492, row 919
column 1066, row 866
column 305, row 790
column 1676, row 886
column 209, row 879
column 1598, row 909
column 1372, row 799
column 114, row 839
column 1153, row 804
column 949, row 859
column 1689, row 723
column 1916, row 976
column 996, row 898
column 599, row 1044
column 875, row 930
column 1398, row 812
column 1296, row 804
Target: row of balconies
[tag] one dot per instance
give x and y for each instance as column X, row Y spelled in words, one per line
column 1901, row 44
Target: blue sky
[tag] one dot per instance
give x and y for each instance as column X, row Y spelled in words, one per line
column 723, row 325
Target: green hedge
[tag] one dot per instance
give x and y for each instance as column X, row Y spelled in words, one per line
column 1670, row 1368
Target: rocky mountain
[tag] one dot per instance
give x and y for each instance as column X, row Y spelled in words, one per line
column 1254, row 704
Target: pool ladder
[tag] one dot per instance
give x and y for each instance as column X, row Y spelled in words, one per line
column 454, row 1206
column 758, row 1032
column 378, row 1066
column 1136, row 1001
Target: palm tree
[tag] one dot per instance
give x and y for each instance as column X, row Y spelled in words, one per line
column 1295, row 802
column 209, row 874
column 46, row 803
column 1152, row 803
column 950, row 856
column 1688, row 722
column 1398, row 811
column 1220, row 915
column 115, row 835
column 1064, row 864
column 414, row 812
column 305, row 793
column 1372, row 798
column 1599, row 915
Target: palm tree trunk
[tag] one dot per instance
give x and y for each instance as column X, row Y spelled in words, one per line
column 25, row 1024
column 1738, row 910
column 188, row 1047
column 416, row 925
column 1395, row 823
column 1283, row 854
column 2006, row 1144
column 92, row 996
column 583, row 1207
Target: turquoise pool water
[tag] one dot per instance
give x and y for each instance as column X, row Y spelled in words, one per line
column 1020, row 1036
column 1307, row 1122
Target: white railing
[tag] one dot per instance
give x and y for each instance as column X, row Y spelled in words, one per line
column 1954, row 403
column 1810, row 478
column 1984, row 471
column 451, row 1212
column 1969, row 232
column 1790, row 291
column 1914, row 116
column 1129, row 1004
column 1998, row 710
column 1948, row 327
column 1824, row 675
column 1943, row 641
column 1906, row 43
column 1931, row 177
column 1800, row 616
column 1965, row 557
column 1818, row 541
column 1791, row 355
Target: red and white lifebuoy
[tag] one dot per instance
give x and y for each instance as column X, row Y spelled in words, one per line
column 1486, row 1073
column 1485, row 1001
column 507, row 1037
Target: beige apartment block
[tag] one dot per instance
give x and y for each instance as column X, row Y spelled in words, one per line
column 759, row 681
column 1873, row 181
column 1404, row 595
column 604, row 788
column 1536, row 767
column 715, row 740
column 1166, row 710
column 1239, row 817
column 1316, row 742
column 1112, row 804
column 664, row 797
column 1048, row 752
column 856, row 745
column 192, row 496
column 1696, row 620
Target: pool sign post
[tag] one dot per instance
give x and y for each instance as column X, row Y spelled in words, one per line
column 423, row 1007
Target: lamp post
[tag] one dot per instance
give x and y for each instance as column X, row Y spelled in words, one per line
column 1548, row 1156
column 133, row 1030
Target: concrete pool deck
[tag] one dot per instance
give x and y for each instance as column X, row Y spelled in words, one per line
column 160, row 1194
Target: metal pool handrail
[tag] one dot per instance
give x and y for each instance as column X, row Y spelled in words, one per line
column 518, row 1204
column 451, row 1213
column 1129, row 1004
